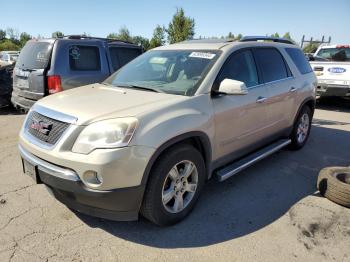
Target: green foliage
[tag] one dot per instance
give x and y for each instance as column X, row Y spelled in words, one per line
column 287, row 36
column 275, row 35
column 181, row 27
column 57, row 34
column 310, row 48
column 8, row 45
column 23, row 38
column 239, row 37
column 2, row 34
column 142, row 41
column 158, row 38
column 230, row 36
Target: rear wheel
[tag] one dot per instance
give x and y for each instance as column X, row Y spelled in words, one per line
column 301, row 129
column 174, row 185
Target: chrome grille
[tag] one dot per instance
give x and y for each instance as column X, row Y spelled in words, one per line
column 44, row 128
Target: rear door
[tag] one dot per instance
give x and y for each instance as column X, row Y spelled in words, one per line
column 29, row 73
column 121, row 55
column 282, row 87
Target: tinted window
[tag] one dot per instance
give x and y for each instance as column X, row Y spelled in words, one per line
column 84, row 58
column 271, row 64
column 299, row 60
column 240, row 67
column 121, row 56
column 34, row 55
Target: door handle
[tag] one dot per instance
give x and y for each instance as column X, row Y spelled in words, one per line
column 292, row 89
column 261, row 99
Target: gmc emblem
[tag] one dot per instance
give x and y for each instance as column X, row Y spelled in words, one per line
column 41, row 126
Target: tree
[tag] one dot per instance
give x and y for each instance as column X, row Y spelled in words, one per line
column 310, row 48
column 8, row 45
column 141, row 41
column 23, row 38
column 12, row 33
column 124, row 34
column 2, row 34
column 275, row 35
column 239, row 37
column 287, row 36
column 230, row 36
column 181, row 27
column 158, row 38
column 57, row 34
column 112, row 36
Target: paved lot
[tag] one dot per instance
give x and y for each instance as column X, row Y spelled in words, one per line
column 270, row 212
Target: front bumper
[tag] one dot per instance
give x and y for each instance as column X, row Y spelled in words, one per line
column 324, row 89
column 118, row 204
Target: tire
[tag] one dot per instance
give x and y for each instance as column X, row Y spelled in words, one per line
column 164, row 179
column 301, row 123
column 334, row 184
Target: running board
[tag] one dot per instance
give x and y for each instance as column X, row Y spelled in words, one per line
column 238, row 166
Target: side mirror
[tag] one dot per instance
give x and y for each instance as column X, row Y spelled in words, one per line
column 233, row 87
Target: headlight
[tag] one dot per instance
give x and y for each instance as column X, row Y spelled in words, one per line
column 105, row 134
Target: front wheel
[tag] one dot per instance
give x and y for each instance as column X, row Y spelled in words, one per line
column 301, row 129
column 174, row 185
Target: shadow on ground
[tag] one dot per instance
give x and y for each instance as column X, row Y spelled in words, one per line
column 9, row 110
column 247, row 202
column 334, row 104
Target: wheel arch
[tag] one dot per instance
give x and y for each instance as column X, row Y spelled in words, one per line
column 198, row 139
column 310, row 102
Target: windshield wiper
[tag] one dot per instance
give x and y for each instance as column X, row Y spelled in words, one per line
column 139, row 87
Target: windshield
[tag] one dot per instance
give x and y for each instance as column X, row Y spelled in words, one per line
column 340, row 54
column 34, row 55
column 171, row 71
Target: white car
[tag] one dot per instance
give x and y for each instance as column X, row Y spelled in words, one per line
column 333, row 74
column 8, row 57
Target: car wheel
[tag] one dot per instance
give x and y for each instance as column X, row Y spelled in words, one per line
column 301, row 129
column 334, row 184
column 174, row 185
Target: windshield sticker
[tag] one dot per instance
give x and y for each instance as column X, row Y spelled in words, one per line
column 41, row 57
column 202, row 55
column 74, row 52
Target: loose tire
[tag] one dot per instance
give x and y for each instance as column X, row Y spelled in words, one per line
column 334, row 184
column 174, row 185
column 301, row 129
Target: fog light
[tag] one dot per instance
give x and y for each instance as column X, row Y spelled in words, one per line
column 92, row 178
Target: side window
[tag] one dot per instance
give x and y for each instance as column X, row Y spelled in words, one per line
column 84, row 58
column 122, row 55
column 299, row 60
column 241, row 67
column 271, row 64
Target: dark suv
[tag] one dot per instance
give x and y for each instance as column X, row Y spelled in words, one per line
column 48, row 66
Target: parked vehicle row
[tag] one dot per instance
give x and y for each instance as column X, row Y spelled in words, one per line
column 8, row 57
column 48, row 66
column 147, row 138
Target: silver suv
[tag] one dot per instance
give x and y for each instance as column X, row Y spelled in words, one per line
column 147, row 138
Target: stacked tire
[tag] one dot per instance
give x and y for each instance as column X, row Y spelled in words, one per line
column 334, row 184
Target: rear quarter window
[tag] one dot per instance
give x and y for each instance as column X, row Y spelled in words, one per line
column 122, row 55
column 84, row 58
column 299, row 60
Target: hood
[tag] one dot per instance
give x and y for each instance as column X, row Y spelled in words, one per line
column 97, row 102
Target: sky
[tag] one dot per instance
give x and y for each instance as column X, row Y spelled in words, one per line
column 212, row 17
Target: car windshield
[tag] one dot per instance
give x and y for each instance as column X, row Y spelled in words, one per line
column 170, row 71
column 340, row 54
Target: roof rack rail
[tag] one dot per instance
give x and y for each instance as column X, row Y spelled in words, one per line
column 266, row 38
column 94, row 37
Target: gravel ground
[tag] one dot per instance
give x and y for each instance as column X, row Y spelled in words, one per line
column 269, row 212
